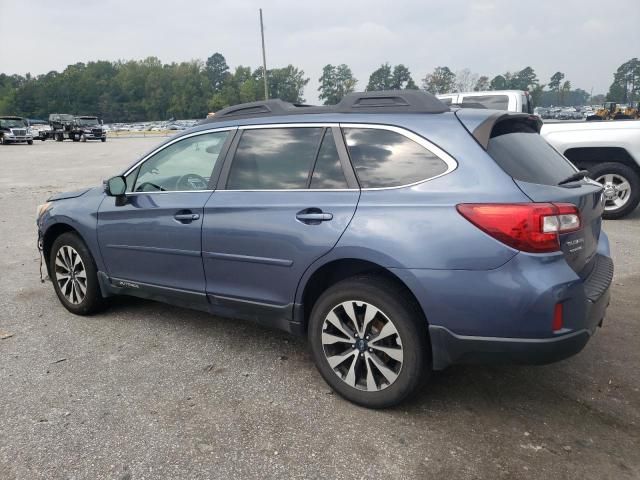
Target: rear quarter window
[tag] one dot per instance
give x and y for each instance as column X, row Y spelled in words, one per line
column 492, row 102
column 383, row 158
column 527, row 157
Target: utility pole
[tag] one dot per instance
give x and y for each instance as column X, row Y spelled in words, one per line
column 264, row 60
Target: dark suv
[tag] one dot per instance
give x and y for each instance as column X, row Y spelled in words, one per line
column 399, row 235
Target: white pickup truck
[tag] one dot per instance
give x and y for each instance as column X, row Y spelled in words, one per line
column 610, row 151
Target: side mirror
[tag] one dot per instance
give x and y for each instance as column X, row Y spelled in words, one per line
column 115, row 186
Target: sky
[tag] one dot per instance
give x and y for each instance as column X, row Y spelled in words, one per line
column 585, row 39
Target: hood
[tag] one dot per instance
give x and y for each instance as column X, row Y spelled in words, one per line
column 63, row 195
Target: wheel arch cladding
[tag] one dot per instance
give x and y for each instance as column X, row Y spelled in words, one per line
column 50, row 235
column 337, row 270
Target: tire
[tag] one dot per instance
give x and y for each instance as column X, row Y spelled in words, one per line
column 83, row 138
column 617, row 173
column 2, row 140
column 103, row 140
column 63, row 254
column 43, row 139
column 59, row 137
column 394, row 306
column 30, row 142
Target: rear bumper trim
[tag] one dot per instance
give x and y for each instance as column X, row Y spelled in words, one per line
column 449, row 348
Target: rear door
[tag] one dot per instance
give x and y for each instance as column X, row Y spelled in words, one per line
column 284, row 199
column 538, row 169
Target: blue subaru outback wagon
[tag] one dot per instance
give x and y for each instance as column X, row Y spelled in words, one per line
column 401, row 236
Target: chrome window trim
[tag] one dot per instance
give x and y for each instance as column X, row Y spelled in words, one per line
column 451, row 163
column 164, row 192
column 175, row 140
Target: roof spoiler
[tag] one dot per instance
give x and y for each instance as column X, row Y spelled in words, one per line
column 481, row 123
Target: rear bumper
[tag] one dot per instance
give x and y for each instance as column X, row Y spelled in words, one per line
column 449, row 348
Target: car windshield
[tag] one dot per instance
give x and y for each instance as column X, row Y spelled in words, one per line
column 12, row 122
column 88, row 121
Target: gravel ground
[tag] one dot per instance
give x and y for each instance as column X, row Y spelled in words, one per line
column 146, row 391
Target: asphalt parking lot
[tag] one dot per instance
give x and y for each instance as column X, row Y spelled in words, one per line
column 146, row 391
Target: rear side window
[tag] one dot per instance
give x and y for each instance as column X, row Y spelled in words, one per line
column 526, row 156
column 328, row 173
column 383, row 158
column 274, row 159
column 492, row 102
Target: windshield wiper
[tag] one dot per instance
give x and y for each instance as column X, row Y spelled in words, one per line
column 575, row 176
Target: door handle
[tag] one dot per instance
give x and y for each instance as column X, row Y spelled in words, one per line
column 313, row 216
column 186, row 217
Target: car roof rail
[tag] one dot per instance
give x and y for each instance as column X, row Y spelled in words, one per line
column 386, row 101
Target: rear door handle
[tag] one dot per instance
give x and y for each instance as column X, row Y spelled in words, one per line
column 186, row 217
column 313, row 216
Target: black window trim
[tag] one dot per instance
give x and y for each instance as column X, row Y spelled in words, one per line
column 216, row 169
column 347, row 169
column 451, row 163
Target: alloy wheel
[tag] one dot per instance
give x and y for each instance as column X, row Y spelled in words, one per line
column 71, row 274
column 362, row 346
column 617, row 190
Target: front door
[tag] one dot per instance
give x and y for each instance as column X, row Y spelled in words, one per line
column 152, row 239
column 286, row 202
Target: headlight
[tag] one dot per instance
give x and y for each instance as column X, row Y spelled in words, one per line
column 43, row 208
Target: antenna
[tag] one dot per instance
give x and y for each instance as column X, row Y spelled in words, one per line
column 264, row 60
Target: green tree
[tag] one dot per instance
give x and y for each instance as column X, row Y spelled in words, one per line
column 401, row 79
column 499, row 82
column 626, row 82
column 564, row 91
column 441, row 80
column 555, row 84
column 380, row 79
column 217, row 71
column 335, row 83
column 482, row 84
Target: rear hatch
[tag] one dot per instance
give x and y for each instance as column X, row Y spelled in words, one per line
column 540, row 171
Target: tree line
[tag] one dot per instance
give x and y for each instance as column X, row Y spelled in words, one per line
column 139, row 90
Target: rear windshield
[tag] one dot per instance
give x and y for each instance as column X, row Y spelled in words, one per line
column 529, row 158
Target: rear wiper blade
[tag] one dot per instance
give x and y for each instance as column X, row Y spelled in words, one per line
column 575, row 176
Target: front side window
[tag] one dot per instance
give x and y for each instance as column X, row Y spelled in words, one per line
column 183, row 166
column 274, row 158
column 383, row 158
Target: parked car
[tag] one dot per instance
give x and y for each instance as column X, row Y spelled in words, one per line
column 14, row 130
column 510, row 100
column 400, row 236
column 40, row 129
column 90, row 128
column 610, row 151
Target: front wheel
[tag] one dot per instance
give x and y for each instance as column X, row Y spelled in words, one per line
column 30, row 142
column 103, row 140
column 369, row 341
column 74, row 275
column 621, row 188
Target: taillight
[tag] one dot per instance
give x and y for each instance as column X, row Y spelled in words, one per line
column 529, row 227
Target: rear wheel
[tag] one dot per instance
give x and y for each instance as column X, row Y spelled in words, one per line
column 74, row 275
column 369, row 341
column 621, row 188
